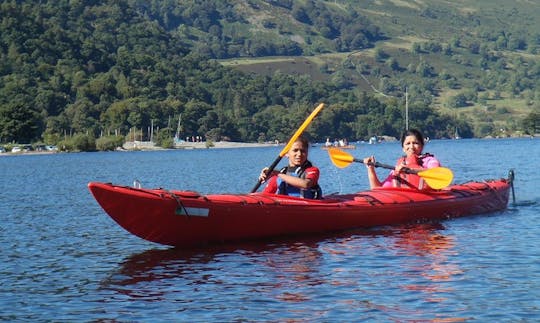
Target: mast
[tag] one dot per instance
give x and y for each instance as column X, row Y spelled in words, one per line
column 152, row 130
column 178, row 126
column 406, row 109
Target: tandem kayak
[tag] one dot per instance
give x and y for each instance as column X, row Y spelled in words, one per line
column 188, row 219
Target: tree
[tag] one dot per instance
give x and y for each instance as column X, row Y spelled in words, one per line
column 380, row 54
column 393, row 64
column 531, row 123
column 18, row 123
column 192, row 117
column 457, row 101
column 416, row 48
column 424, row 69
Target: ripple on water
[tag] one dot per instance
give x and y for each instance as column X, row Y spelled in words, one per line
column 63, row 259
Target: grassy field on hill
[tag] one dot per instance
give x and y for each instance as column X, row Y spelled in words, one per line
column 457, row 24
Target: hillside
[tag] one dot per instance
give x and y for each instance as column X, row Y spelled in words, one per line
column 481, row 54
column 87, row 74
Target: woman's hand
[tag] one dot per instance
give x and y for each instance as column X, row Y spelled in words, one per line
column 369, row 162
column 400, row 168
column 409, row 163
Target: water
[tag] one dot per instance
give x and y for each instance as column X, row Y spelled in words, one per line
column 63, row 259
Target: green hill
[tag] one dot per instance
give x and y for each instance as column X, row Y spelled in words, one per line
column 74, row 72
column 474, row 60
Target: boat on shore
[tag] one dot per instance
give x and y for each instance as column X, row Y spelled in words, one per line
column 189, row 219
column 340, row 147
column 341, row 143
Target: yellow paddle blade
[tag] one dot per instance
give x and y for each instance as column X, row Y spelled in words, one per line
column 301, row 129
column 340, row 158
column 438, row 177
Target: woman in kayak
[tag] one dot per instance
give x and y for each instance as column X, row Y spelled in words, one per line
column 300, row 178
column 412, row 142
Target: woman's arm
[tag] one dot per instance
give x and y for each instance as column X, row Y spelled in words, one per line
column 372, row 175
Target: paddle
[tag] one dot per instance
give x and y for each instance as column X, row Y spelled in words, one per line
column 290, row 143
column 437, row 177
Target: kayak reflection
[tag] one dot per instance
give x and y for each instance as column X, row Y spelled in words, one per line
column 352, row 265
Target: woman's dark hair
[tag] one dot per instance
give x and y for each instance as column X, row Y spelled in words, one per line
column 412, row 132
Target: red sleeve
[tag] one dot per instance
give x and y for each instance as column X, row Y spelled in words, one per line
column 312, row 173
column 271, row 186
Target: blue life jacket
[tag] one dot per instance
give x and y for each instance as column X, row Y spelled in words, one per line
column 314, row 192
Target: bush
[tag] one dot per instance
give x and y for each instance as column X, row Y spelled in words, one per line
column 164, row 138
column 166, row 142
column 108, row 143
column 79, row 142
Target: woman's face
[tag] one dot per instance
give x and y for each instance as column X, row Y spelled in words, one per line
column 412, row 146
column 298, row 154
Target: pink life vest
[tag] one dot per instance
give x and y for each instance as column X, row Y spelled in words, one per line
column 411, row 180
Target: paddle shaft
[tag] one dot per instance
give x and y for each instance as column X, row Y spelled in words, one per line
column 377, row 164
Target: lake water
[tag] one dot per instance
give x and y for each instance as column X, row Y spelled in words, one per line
column 63, row 259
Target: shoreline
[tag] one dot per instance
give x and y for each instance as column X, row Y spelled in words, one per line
column 150, row 146
column 222, row 144
column 146, row 145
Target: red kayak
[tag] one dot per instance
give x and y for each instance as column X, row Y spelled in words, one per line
column 186, row 218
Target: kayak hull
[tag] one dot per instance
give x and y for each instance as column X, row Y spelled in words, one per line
column 187, row 219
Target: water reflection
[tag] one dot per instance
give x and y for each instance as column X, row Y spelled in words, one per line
column 283, row 262
column 150, row 267
column 293, row 269
column 348, row 271
column 427, row 254
column 426, row 241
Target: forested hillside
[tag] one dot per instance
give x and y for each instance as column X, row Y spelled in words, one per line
column 72, row 72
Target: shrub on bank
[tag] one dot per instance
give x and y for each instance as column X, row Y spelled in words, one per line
column 79, row 142
column 164, row 138
column 108, row 143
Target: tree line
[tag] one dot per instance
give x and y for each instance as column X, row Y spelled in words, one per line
column 83, row 73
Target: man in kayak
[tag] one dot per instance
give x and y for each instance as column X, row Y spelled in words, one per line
column 300, row 178
column 412, row 142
